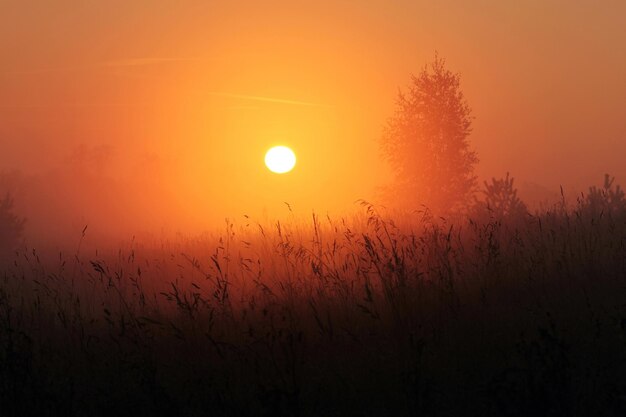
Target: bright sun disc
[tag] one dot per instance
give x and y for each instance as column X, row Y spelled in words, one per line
column 280, row 159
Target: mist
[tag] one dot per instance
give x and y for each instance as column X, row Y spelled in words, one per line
column 450, row 240
column 155, row 119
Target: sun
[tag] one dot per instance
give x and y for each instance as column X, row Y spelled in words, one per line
column 280, row 159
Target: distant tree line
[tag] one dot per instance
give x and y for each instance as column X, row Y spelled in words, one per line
column 11, row 225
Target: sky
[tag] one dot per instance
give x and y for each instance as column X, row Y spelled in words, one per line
column 156, row 111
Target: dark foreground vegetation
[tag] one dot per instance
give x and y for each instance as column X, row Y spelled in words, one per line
column 501, row 315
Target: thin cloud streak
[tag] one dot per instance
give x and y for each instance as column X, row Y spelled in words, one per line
column 50, row 70
column 53, row 105
column 266, row 99
column 137, row 62
column 131, row 62
column 146, row 61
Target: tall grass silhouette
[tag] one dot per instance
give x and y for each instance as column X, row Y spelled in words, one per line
column 372, row 315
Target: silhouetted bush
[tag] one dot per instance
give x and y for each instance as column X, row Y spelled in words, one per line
column 500, row 202
column 608, row 200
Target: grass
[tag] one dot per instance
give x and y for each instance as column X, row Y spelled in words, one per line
column 366, row 316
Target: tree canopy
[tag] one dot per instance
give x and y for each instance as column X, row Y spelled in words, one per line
column 426, row 141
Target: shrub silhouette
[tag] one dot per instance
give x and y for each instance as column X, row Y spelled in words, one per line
column 500, row 201
column 11, row 226
column 608, row 199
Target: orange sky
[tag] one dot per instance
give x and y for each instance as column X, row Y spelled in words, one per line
column 206, row 87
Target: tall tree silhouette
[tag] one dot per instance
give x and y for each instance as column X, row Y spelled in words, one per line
column 426, row 141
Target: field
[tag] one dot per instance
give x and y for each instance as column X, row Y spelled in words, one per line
column 379, row 314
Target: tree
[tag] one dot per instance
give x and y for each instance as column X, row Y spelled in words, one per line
column 11, row 226
column 608, row 199
column 500, row 201
column 426, row 143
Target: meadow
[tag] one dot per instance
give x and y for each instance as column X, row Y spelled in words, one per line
column 379, row 314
